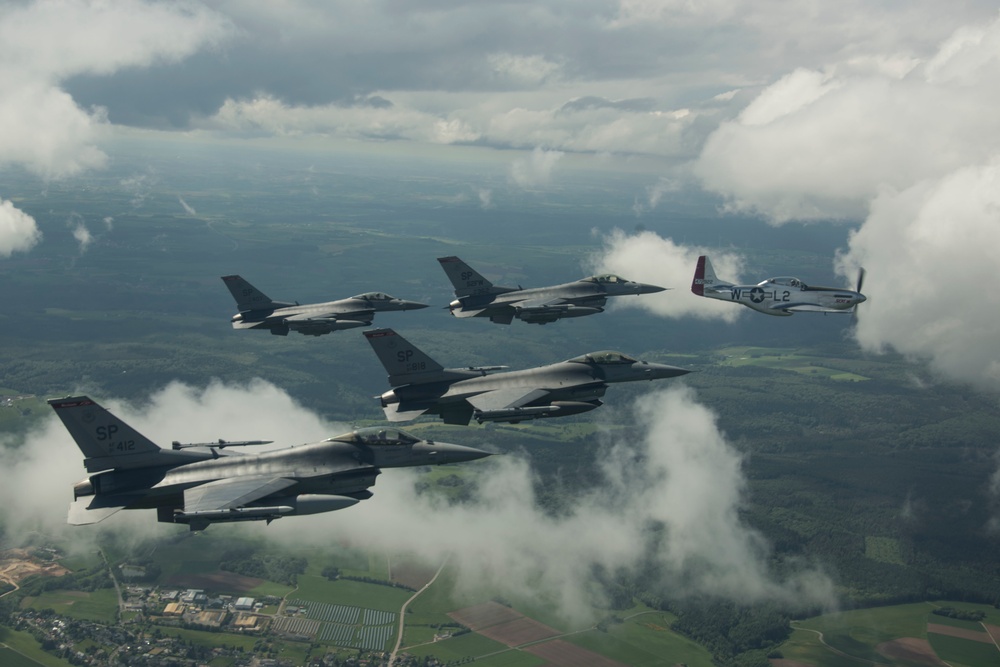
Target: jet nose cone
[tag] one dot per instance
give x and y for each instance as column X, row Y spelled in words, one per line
column 660, row 371
column 444, row 452
column 413, row 305
column 650, row 289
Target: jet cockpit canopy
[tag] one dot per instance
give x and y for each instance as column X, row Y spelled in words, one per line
column 604, row 357
column 604, row 279
column 377, row 436
column 374, row 296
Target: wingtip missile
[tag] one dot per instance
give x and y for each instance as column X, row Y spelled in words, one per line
column 220, row 443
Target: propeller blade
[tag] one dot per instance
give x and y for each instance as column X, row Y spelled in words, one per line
column 861, row 279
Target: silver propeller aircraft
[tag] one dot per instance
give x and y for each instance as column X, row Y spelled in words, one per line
column 777, row 296
column 421, row 385
column 200, row 484
column 478, row 297
column 258, row 311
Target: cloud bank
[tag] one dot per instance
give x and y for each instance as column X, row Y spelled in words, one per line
column 671, row 496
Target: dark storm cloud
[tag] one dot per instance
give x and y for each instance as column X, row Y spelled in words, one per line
column 308, row 55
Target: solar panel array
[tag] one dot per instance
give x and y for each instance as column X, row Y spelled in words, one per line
column 339, row 624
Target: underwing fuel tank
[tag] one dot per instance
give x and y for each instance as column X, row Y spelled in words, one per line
column 290, row 506
column 515, row 415
column 546, row 315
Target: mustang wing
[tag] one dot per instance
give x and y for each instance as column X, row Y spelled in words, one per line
column 505, row 399
column 811, row 308
column 232, row 493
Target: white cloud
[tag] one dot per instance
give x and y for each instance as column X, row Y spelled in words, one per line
column 672, row 494
column 44, row 43
column 534, row 169
column 650, row 258
column 187, row 208
column 522, row 70
column 269, row 115
column 931, row 259
column 823, row 144
column 46, row 131
column 593, row 129
column 82, row 236
column 18, row 231
column 485, row 198
column 60, row 38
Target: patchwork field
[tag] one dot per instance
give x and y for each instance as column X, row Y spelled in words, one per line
column 100, row 605
column 909, row 635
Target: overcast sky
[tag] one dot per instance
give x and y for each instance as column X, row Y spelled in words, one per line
column 878, row 113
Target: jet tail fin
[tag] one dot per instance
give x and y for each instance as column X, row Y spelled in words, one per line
column 467, row 280
column 105, row 440
column 249, row 297
column 400, row 357
column 704, row 276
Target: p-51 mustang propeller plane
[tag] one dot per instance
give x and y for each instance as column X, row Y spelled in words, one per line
column 478, row 297
column 200, row 484
column 777, row 296
column 258, row 311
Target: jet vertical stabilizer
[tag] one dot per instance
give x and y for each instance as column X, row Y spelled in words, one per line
column 400, row 357
column 467, row 281
column 249, row 298
column 106, row 441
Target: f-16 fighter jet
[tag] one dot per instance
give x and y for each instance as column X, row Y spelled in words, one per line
column 478, row 297
column 202, row 484
column 777, row 296
column 421, row 385
column 258, row 311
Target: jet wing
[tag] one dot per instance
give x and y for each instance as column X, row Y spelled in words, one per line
column 232, row 493
column 542, row 304
column 812, row 308
column 330, row 318
column 505, row 399
column 401, row 412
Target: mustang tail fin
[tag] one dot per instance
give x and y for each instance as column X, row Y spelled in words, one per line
column 704, row 276
column 105, row 440
column 249, row 297
column 399, row 356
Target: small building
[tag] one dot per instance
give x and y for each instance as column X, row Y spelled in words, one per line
column 212, row 619
column 246, row 622
column 194, row 596
column 173, row 609
column 244, row 604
